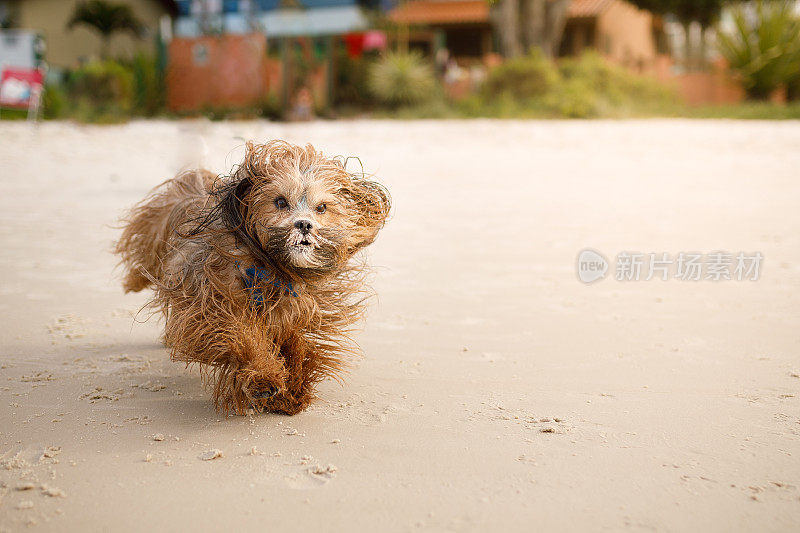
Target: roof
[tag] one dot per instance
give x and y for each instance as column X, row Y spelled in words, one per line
column 471, row 11
column 334, row 20
column 587, row 8
column 441, row 12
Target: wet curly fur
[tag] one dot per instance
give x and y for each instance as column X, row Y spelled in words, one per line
column 289, row 213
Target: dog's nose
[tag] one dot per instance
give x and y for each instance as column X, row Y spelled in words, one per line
column 304, row 226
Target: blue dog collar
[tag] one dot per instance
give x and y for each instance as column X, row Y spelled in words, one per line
column 255, row 277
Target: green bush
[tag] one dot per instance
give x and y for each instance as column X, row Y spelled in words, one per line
column 107, row 91
column 149, row 89
column 54, row 102
column 402, row 80
column 522, row 78
column 351, row 82
column 101, row 91
column 584, row 87
column 750, row 110
column 270, row 107
column 598, row 74
column 763, row 49
column 575, row 98
column 592, row 86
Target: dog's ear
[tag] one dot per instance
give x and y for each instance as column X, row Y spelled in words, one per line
column 226, row 204
column 233, row 210
column 256, row 160
column 262, row 160
column 232, row 202
column 370, row 204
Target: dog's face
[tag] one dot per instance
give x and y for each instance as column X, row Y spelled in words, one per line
column 307, row 212
column 299, row 219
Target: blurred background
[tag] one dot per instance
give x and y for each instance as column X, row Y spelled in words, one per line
column 110, row 60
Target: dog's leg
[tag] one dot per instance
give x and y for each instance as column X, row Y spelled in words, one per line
column 238, row 355
column 255, row 373
column 297, row 357
column 306, row 365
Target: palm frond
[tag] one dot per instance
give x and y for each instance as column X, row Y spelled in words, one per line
column 764, row 45
column 106, row 17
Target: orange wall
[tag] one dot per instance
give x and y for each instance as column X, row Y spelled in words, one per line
column 219, row 71
column 625, row 36
column 715, row 86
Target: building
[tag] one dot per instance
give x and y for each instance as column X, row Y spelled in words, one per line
column 69, row 47
column 461, row 26
column 618, row 30
column 240, row 53
column 275, row 18
column 615, row 28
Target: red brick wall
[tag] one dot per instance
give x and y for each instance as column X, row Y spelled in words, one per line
column 714, row 86
column 226, row 71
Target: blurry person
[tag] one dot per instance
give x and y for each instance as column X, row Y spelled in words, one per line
column 303, row 108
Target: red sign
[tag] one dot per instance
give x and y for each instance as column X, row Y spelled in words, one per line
column 20, row 87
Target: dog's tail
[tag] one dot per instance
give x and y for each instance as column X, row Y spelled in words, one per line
column 149, row 225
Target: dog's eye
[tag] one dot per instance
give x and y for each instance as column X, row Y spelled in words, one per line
column 321, row 208
column 281, row 203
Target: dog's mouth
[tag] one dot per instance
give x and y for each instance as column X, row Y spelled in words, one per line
column 310, row 253
column 300, row 252
column 304, row 246
column 301, row 243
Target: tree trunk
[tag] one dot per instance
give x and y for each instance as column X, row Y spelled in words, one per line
column 504, row 16
column 702, row 60
column 556, row 20
column 402, row 38
column 105, row 46
column 793, row 90
column 543, row 24
column 524, row 24
column 533, row 23
column 687, row 52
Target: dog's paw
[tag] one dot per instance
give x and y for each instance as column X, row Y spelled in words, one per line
column 265, row 394
column 262, row 397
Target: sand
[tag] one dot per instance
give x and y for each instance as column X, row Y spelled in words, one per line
column 497, row 392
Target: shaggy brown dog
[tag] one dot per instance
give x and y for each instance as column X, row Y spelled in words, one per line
column 254, row 273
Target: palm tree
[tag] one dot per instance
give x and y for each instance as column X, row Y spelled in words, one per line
column 764, row 47
column 705, row 12
column 106, row 18
column 525, row 24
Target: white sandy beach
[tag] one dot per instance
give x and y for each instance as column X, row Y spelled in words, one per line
column 496, row 392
